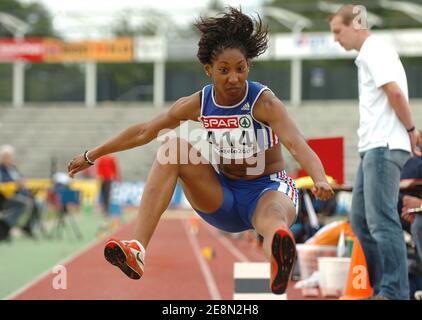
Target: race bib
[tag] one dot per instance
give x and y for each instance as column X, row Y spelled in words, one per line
column 232, row 137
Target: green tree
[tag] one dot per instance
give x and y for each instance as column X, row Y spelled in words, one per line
column 34, row 14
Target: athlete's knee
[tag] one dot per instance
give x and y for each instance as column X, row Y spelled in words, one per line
column 270, row 217
column 275, row 208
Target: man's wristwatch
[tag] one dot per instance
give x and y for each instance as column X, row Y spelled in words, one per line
column 411, row 129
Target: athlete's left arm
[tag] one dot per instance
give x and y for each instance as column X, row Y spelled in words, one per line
column 270, row 110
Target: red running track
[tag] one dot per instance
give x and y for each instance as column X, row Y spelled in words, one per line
column 173, row 268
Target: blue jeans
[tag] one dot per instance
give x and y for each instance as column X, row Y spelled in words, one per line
column 376, row 223
column 416, row 230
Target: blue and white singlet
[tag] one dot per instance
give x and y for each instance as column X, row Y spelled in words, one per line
column 232, row 130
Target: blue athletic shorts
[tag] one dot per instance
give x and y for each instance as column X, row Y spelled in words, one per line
column 241, row 198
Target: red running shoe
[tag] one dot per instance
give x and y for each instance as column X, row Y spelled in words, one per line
column 283, row 249
column 127, row 255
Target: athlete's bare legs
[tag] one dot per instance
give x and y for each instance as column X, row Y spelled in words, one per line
column 272, row 218
column 274, row 210
column 199, row 182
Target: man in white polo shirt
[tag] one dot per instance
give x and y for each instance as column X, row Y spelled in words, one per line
column 386, row 137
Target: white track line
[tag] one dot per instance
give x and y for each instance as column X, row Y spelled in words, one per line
column 227, row 244
column 206, row 272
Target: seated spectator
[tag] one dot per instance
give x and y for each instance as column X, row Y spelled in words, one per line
column 411, row 199
column 23, row 200
column 414, row 217
column 408, row 205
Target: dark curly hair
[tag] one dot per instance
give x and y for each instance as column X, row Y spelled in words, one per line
column 233, row 30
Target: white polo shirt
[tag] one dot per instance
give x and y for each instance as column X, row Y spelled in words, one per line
column 378, row 63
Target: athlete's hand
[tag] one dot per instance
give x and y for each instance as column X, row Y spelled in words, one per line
column 76, row 165
column 322, row 190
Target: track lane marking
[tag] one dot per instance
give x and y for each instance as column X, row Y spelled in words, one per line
column 205, row 269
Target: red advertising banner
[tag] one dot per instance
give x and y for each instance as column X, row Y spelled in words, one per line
column 56, row 51
column 26, row 50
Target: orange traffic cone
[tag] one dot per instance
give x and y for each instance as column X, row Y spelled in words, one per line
column 358, row 285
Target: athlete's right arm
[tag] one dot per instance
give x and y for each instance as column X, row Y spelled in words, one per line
column 186, row 108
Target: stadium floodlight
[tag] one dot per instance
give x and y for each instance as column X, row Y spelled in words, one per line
column 292, row 20
column 413, row 10
column 14, row 25
column 373, row 19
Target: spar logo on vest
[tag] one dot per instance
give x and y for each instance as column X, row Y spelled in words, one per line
column 231, row 136
column 244, row 122
column 231, row 122
column 220, row 122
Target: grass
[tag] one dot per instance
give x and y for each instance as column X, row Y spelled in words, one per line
column 24, row 259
